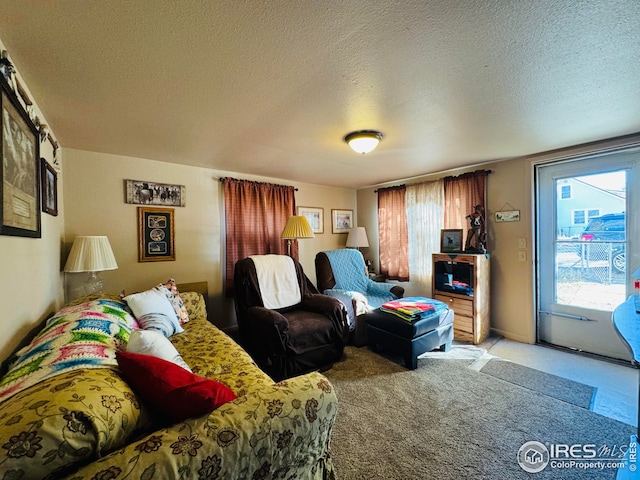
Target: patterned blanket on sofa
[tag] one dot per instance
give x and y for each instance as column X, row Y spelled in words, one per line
column 80, row 336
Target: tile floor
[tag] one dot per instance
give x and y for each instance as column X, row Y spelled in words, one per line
column 617, row 394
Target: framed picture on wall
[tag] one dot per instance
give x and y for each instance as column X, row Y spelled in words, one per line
column 143, row 192
column 451, row 241
column 49, row 188
column 155, row 234
column 315, row 217
column 19, row 169
column 341, row 220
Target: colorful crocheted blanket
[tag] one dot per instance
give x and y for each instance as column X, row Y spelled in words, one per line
column 80, row 336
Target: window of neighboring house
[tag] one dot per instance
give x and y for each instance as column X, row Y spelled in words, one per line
column 594, row 212
column 579, row 217
column 565, row 192
column 582, row 217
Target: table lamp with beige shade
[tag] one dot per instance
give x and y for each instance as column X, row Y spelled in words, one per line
column 91, row 254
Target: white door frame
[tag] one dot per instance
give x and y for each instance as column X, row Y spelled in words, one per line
column 633, row 197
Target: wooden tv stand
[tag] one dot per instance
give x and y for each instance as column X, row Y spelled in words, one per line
column 471, row 309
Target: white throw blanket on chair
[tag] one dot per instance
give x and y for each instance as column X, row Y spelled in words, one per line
column 277, row 280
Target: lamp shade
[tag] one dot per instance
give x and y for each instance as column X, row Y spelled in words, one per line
column 90, row 254
column 357, row 238
column 364, row 141
column 297, row 227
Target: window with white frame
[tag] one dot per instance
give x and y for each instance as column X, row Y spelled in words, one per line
column 582, row 216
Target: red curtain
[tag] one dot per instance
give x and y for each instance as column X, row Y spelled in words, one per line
column 255, row 215
column 461, row 195
column 393, row 233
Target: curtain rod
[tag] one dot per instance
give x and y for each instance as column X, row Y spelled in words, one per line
column 222, row 179
column 488, row 172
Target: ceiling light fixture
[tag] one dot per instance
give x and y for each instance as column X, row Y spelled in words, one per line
column 363, row 141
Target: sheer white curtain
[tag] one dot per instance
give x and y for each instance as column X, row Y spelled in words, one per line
column 425, row 219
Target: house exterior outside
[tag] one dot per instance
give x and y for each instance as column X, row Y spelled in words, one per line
column 579, row 201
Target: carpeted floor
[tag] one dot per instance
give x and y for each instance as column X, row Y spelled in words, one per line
column 447, row 421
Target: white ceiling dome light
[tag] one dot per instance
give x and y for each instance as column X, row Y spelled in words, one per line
column 363, row 141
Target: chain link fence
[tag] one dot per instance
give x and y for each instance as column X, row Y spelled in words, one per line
column 594, row 261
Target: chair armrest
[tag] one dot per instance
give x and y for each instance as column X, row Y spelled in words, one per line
column 356, row 300
column 329, row 307
column 269, row 331
column 398, row 291
column 238, row 439
column 379, row 288
column 320, row 303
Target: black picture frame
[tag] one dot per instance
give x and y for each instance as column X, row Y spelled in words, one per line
column 451, row 240
column 143, row 192
column 19, row 168
column 49, row 182
column 156, row 234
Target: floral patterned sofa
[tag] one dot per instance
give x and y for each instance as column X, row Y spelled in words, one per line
column 88, row 423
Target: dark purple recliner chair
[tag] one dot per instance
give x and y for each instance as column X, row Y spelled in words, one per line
column 290, row 340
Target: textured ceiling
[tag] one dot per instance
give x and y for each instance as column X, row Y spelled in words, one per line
column 270, row 87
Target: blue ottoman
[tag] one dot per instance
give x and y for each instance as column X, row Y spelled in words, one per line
column 409, row 339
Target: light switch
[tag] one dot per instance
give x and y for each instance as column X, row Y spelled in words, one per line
column 522, row 256
column 522, row 243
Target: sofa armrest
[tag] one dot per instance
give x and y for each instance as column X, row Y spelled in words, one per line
column 279, row 431
column 195, row 304
column 66, row 420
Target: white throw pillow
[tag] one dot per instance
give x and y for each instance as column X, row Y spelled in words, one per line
column 152, row 342
column 154, row 312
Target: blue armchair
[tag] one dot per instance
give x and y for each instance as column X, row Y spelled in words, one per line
column 342, row 274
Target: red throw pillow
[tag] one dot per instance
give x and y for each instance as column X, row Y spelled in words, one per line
column 169, row 388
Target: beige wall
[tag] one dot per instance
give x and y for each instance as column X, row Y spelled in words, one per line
column 509, row 187
column 512, row 307
column 31, row 286
column 94, row 187
column 327, row 198
column 511, row 281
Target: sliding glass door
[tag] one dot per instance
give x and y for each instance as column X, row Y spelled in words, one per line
column 587, row 244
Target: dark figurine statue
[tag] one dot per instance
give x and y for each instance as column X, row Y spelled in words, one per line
column 477, row 234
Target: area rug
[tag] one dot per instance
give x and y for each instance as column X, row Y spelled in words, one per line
column 458, row 352
column 447, row 421
column 464, row 350
column 558, row 387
